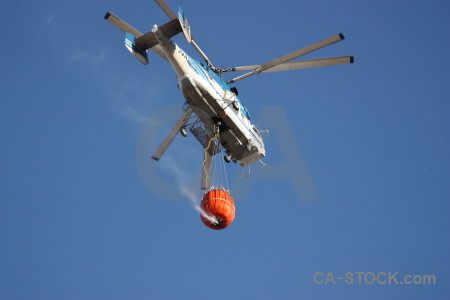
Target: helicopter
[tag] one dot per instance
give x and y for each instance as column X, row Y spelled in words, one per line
column 213, row 109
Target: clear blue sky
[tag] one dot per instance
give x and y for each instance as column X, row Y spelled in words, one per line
column 78, row 219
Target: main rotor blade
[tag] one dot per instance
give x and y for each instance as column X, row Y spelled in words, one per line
column 169, row 12
column 172, row 134
column 303, row 51
column 121, row 24
column 202, row 54
column 292, row 55
column 245, row 68
column 324, row 62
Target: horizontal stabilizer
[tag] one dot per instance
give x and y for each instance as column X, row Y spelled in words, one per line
column 149, row 39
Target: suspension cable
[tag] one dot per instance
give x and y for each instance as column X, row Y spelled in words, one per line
column 217, row 173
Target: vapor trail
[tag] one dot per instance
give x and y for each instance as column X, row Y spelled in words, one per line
column 190, row 194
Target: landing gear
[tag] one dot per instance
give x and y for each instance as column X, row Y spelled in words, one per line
column 236, row 105
column 227, row 158
column 183, row 131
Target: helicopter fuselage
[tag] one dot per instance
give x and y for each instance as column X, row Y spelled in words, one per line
column 215, row 104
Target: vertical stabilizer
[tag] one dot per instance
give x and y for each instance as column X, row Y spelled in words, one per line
column 130, row 44
column 184, row 25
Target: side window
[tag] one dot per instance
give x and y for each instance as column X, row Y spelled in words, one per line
column 256, row 130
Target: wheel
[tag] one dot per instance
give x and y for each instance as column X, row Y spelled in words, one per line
column 227, row 158
column 183, row 131
column 236, row 105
